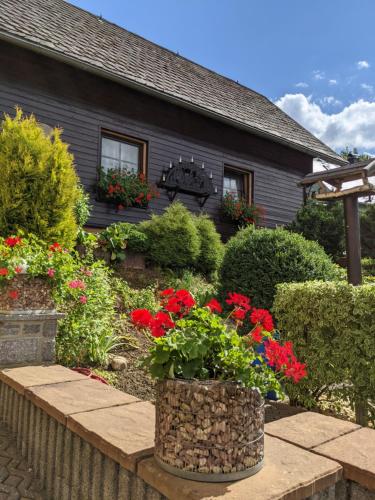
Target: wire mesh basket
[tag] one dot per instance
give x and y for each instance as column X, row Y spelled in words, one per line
column 209, row 430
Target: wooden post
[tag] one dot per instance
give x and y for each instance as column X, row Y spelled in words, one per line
column 353, row 252
column 353, row 240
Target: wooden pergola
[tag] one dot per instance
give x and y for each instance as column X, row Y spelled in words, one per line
column 328, row 185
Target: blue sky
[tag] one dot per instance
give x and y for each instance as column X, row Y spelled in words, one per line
column 314, row 58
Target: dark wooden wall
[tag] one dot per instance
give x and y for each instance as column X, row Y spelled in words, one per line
column 82, row 104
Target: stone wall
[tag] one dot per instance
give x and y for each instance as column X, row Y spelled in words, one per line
column 88, row 441
column 27, row 337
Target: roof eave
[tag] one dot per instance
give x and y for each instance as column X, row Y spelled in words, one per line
column 142, row 87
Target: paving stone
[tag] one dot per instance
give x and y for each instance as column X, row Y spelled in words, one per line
column 289, row 473
column 309, row 429
column 29, row 376
column 356, row 453
column 67, row 398
column 16, row 479
column 123, row 433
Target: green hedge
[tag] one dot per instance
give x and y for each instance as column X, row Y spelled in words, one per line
column 332, row 325
column 256, row 260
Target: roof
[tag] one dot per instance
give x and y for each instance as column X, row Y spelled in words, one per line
column 336, row 176
column 70, row 34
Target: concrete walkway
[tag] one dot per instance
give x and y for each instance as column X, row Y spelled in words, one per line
column 16, row 479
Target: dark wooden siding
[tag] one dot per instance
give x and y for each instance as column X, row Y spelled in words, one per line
column 82, row 104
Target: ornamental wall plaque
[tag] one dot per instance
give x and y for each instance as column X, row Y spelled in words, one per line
column 187, row 177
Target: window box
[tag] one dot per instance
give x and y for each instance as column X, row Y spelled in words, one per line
column 122, row 172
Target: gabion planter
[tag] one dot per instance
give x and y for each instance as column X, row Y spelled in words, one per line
column 28, row 322
column 25, row 293
column 209, row 430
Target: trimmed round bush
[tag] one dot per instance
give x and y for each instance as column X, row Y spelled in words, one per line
column 256, row 260
column 38, row 183
column 174, row 240
column 211, row 247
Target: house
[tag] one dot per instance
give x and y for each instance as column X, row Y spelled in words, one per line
column 120, row 98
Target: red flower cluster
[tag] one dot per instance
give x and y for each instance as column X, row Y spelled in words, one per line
column 177, row 302
column 55, row 247
column 157, row 324
column 114, row 189
column 4, row 271
column 283, row 359
column 77, row 284
column 13, row 294
column 214, row 306
column 262, row 317
column 241, row 305
column 13, row 241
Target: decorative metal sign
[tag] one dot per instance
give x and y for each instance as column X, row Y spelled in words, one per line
column 187, row 177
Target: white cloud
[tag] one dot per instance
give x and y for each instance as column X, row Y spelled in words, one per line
column 332, row 82
column 318, row 75
column 363, row 65
column 330, row 101
column 353, row 126
column 367, row 87
column 302, row 85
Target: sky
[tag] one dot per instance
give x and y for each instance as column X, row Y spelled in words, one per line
column 313, row 58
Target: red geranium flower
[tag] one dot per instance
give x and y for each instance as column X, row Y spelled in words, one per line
column 141, row 317
column 51, row 272
column 18, row 269
column 13, row 241
column 13, row 294
column 83, row 299
column 160, row 323
column 239, row 314
column 214, row 306
column 263, row 317
column 237, row 299
column 257, row 334
column 177, row 302
column 3, row 271
column 296, row 371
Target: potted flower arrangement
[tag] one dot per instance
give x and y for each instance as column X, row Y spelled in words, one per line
column 124, row 189
column 240, row 211
column 211, row 382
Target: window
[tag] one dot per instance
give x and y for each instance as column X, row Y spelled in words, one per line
column 123, row 152
column 237, row 183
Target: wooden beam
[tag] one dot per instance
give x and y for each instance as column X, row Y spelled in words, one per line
column 353, row 239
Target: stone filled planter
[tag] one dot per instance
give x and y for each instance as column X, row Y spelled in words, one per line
column 209, row 430
column 32, row 294
column 28, row 322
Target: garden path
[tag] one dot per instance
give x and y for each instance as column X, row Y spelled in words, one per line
column 16, row 478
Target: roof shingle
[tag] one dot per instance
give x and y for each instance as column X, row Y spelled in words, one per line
column 70, row 33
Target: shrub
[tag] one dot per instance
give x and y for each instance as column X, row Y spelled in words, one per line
column 368, row 267
column 131, row 298
column 324, row 223
column 173, row 237
column 121, row 236
column 332, row 326
column 256, row 260
column 87, row 333
column 38, row 185
column 368, row 231
column 211, row 247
